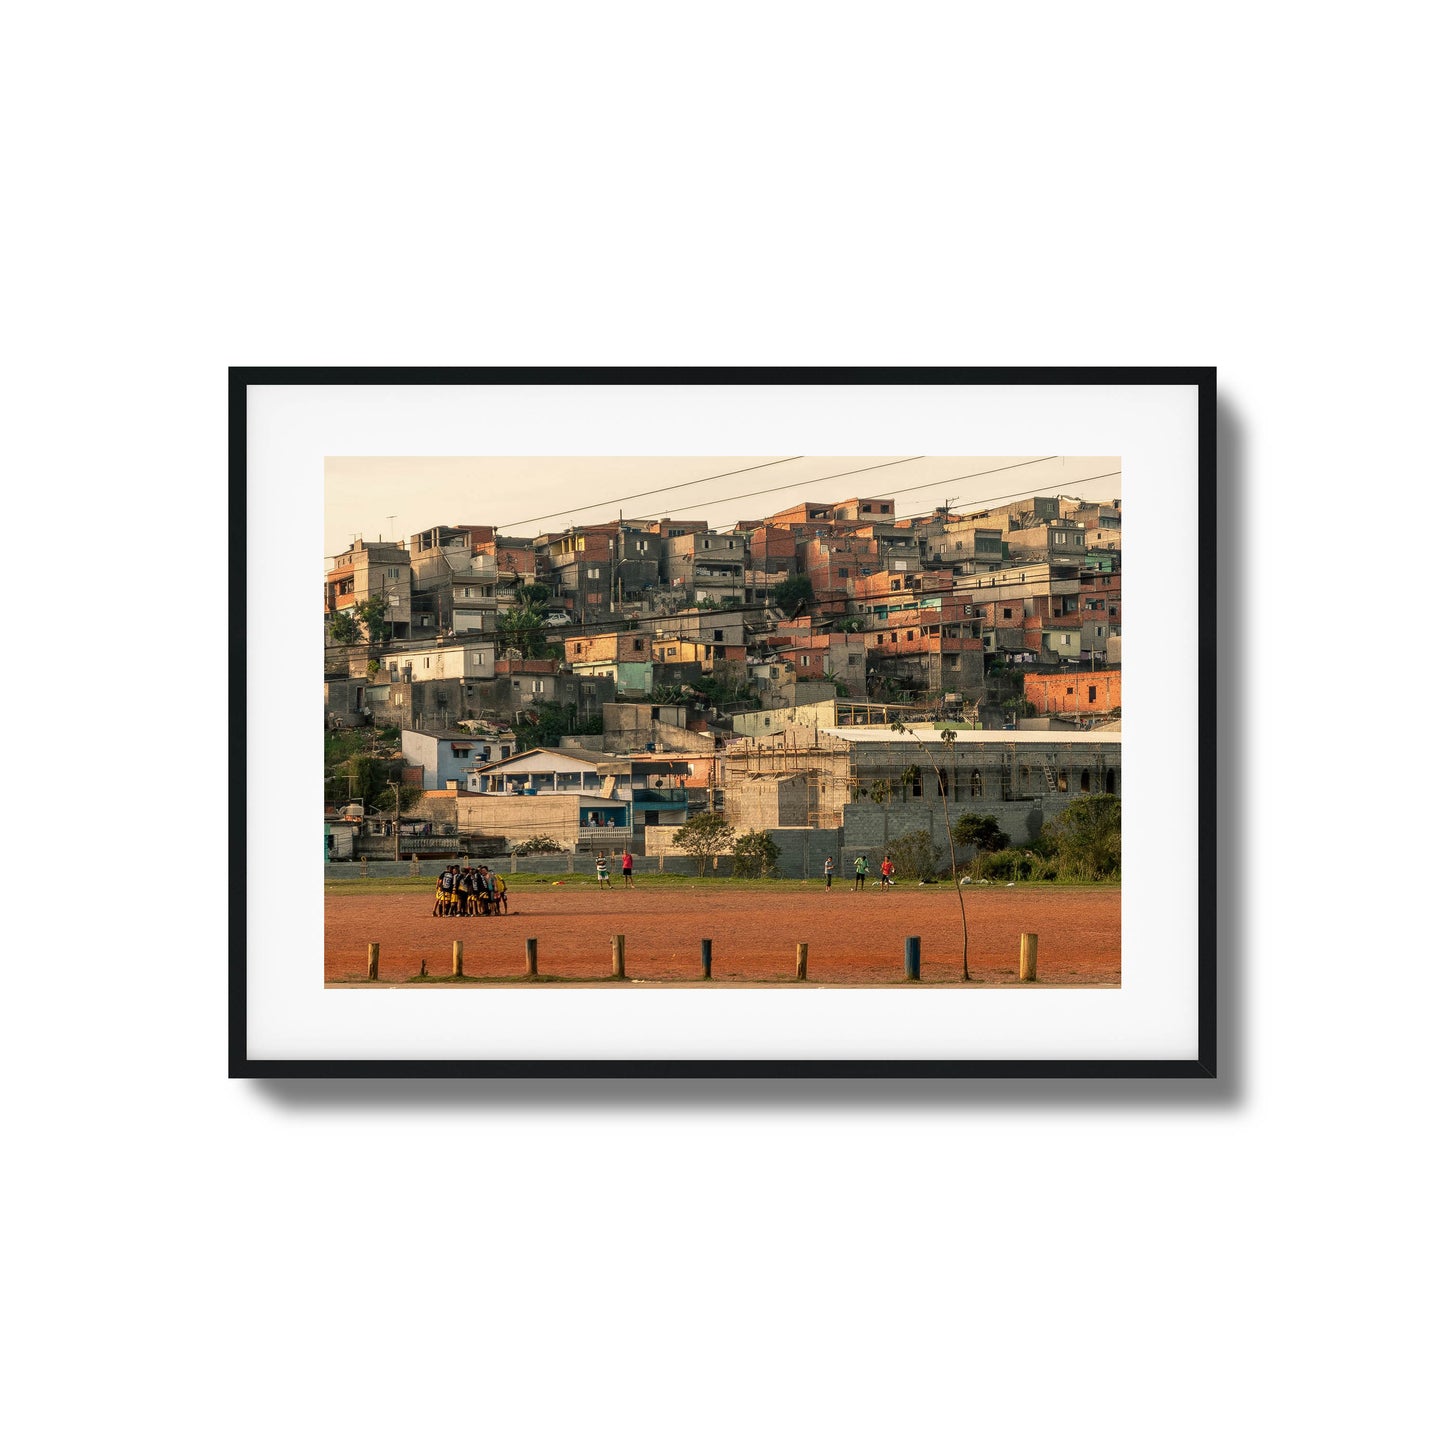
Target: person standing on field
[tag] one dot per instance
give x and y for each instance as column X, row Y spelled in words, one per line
column 828, row 872
column 860, row 873
column 886, row 869
column 603, row 881
column 627, row 869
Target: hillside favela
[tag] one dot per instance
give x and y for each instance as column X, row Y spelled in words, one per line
column 834, row 681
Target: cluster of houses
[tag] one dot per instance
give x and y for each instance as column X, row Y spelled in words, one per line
column 757, row 670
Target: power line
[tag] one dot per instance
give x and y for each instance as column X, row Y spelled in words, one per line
column 969, row 476
column 985, row 502
column 878, row 466
column 788, row 486
column 656, row 491
column 922, row 486
column 766, row 491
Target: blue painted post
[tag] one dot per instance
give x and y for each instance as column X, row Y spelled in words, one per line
column 707, row 958
column 912, row 960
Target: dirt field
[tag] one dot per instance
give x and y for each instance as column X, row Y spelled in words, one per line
column 852, row 938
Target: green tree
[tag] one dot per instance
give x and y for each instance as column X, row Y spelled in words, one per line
column 520, row 628
column 543, row 726
column 795, row 592
column 706, row 836
column 755, row 855
column 947, row 737
column 345, row 629
column 532, row 594
column 916, row 856
column 1086, row 839
column 372, row 615
column 980, row 832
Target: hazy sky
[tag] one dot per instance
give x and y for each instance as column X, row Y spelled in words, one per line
column 394, row 497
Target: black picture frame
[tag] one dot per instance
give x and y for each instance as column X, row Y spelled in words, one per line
column 1202, row 1066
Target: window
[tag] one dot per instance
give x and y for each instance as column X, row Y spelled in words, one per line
column 1068, row 692
column 942, row 785
column 1093, row 695
column 1063, row 780
column 1008, row 612
column 1109, row 781
column 842, row 572
column 917, row 789
column 538, row 685
column 717, row 637
column 594, row 572
column 1084, row 781
column 975, row 784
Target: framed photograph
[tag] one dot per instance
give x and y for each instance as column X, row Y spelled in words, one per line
column 722, row 722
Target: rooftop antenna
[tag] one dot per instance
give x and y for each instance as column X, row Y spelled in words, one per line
column 390, row 520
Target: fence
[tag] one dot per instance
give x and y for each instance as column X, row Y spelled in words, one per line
column 912, row 963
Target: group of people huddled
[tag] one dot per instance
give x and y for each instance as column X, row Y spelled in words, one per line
column 469, row 892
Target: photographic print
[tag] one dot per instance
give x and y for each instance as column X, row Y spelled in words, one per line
column 721, row 759
column 723, row 721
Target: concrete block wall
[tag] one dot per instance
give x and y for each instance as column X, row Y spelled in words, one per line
column 871, row 825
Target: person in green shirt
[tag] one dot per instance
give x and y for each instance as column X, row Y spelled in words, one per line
column 860, row 873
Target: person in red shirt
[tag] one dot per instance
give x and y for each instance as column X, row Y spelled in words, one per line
column 887, row 871
column 627, row 868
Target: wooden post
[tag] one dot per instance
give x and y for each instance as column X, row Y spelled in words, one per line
column 707, row 958
column 415, row 866
column 1028, row 957
column 619, row 961
column 456, row 958
column 802, row 962
column 912, row 960
column 363, row 865
column 423, row 968
column 373, row 960
column 531, row 958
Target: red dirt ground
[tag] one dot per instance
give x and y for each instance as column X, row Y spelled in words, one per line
column 852, row 938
